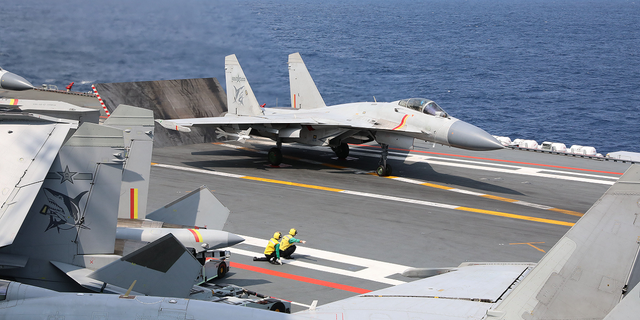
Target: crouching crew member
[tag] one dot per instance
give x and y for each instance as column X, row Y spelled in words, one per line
column 272, row 251
column 287, row 246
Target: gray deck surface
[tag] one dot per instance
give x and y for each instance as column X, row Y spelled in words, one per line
column 411, row 229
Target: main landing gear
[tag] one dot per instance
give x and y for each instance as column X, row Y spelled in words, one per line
column 384, row 169
column 275, row 154
column 342, row 150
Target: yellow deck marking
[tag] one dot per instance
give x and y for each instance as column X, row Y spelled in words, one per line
column 569, row 212
column 433, row 185
column 436, row 186
column 488, row 196
column 369, row 195
column 302, row 185
column 530, row 244
column 516, row 216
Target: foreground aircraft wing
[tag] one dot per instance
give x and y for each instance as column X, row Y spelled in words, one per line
column 465, row 293
column 584, row 276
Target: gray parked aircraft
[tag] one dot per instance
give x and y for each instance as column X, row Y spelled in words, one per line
column 12, row 81
column 586, row 275
column 309, row 121
column 59, row 207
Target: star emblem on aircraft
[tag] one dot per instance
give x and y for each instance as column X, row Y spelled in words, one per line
column 238, row 79
column 66, row 175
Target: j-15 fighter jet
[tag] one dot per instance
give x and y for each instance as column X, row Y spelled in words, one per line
column 309, row 121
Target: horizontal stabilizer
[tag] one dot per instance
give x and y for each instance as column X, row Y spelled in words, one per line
column 199, row 208
column 162, row 268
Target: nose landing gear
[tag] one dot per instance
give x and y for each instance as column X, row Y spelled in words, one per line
column 384, row 169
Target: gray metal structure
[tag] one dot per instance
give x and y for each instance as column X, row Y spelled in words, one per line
column 50, row 108
column 584, row 276
column 138, row 127
column 12, row 81
column 309, row 121
column 61, row 199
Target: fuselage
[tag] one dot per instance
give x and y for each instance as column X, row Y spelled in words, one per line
column 426, row 122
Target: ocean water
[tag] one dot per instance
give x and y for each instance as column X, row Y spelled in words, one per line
column 549, row 70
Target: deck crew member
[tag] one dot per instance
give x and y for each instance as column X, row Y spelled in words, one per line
column 287, row 246
column 272, row 251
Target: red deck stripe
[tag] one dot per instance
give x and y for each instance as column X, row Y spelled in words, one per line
column 497, row 160
column 299, row 278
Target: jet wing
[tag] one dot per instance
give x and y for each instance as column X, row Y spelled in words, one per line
column 315, row 120
column 29, row 147
column 466, row 293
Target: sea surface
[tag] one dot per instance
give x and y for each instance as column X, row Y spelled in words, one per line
column 549, row 70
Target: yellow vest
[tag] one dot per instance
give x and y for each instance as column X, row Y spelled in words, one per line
column 271, row 246
column 284, row 243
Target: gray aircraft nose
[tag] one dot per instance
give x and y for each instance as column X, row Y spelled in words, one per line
column 467, row 136
column 234, row 239
column 12, row 81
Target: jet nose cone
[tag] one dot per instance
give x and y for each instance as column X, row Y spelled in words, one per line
column 234, row 239
column 467, row 136
column 12, row 81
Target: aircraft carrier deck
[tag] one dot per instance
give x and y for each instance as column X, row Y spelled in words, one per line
column 442, row 206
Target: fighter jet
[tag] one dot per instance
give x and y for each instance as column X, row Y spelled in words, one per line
column 59, row 214
column 12, row 81
column 309, row 121
column 588, row 274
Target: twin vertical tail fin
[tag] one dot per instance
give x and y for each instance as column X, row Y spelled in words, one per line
column 138, row 126
column 74, row 211
column 304, row 93
column 240, row 98
column 588, row 271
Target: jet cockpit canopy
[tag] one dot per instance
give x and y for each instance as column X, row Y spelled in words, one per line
column 425, row 106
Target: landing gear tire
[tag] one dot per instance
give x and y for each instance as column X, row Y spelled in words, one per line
column 342, row 151
column 383, row 171
column 275, row 156
column 278, row 307
column 222, row 269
